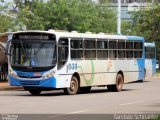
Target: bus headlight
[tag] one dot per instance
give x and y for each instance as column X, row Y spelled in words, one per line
column 49, row 75
column 13, row 74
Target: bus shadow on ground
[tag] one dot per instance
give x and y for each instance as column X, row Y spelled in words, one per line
column 61, row 93
column 138, row 82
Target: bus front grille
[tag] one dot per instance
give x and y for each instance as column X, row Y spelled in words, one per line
column 29, row 82
column 30, row 77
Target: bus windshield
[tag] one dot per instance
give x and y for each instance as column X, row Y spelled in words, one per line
column 33, row 54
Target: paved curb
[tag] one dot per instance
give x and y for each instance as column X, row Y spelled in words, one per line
column 6, row 86
column 11, row 88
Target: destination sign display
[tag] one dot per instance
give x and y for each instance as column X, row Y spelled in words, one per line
column 34, row 36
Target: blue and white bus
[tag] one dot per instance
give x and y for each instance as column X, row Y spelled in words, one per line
column 150, row 59
column 46, row 60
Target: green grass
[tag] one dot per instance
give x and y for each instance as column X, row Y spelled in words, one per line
column 158, row 72
column 157, row 118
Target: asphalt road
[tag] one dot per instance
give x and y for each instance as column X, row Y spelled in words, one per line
column 140, row 98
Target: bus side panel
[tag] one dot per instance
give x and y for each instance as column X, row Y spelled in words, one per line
column 104, row 72
column 121, row 65
column 94, row 72
column 153, row 67
column 63, row 81
column 132, row 72
column 140, row 69
column 148, row 67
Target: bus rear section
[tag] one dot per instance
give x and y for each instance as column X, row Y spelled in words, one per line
column 150, row 59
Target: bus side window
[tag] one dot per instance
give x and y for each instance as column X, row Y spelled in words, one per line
column 150, row 52
column 102, row 49
column 76, row 49
column 112, row 49
column 121, row 49
column 138, row 49
column 129, row 49
column 62, row 52
column 90, row 49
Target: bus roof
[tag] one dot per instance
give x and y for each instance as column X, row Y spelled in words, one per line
column 147, row 44
column 135, row 38
column 79, row 35
column 75, row 34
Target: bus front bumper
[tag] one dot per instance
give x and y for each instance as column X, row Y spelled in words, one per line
column 48, row 83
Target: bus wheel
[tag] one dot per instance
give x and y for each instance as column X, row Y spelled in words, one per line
column 85, row 89
column 118, row 86
column 35, row 91
column 74, row 86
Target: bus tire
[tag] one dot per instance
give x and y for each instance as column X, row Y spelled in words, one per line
column 35, row 91
column 118, row 86
column 74, row 87
column 85, row 89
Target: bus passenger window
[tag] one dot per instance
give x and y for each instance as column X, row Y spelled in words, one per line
column 101, row 54
column 121, row 54
column 62, row 52
column 129, row 49
column 138, row 49
column 112, row 44
column 129, row 45
column 112, row 53
column 121, row 49
column 150, row 52
column 76, row 49
column 90, row 49
column 112, row 49
column 138, row 54
column 102, row 49
column 129, row 54
column 89, row 44
column 121, row 45
column 77, row 44
column 137, row 45
column 90, row 54
column 76, row 54
column 102, row 44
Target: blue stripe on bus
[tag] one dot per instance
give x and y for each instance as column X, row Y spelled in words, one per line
column 153, row 67
column 141, row 69
column 135, row 38
column 49, row 83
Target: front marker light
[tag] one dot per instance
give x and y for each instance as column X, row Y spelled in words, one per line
column 49, row 75
column 52, row 74
column 13, row 74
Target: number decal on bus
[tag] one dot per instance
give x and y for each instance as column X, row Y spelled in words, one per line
column 72, row 66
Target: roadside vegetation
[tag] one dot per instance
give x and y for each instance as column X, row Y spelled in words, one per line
column 158, row 72
column 77, row 15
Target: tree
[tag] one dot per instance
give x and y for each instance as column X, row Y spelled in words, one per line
column 79, row 15
column 6, row 19
column 146, row 22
